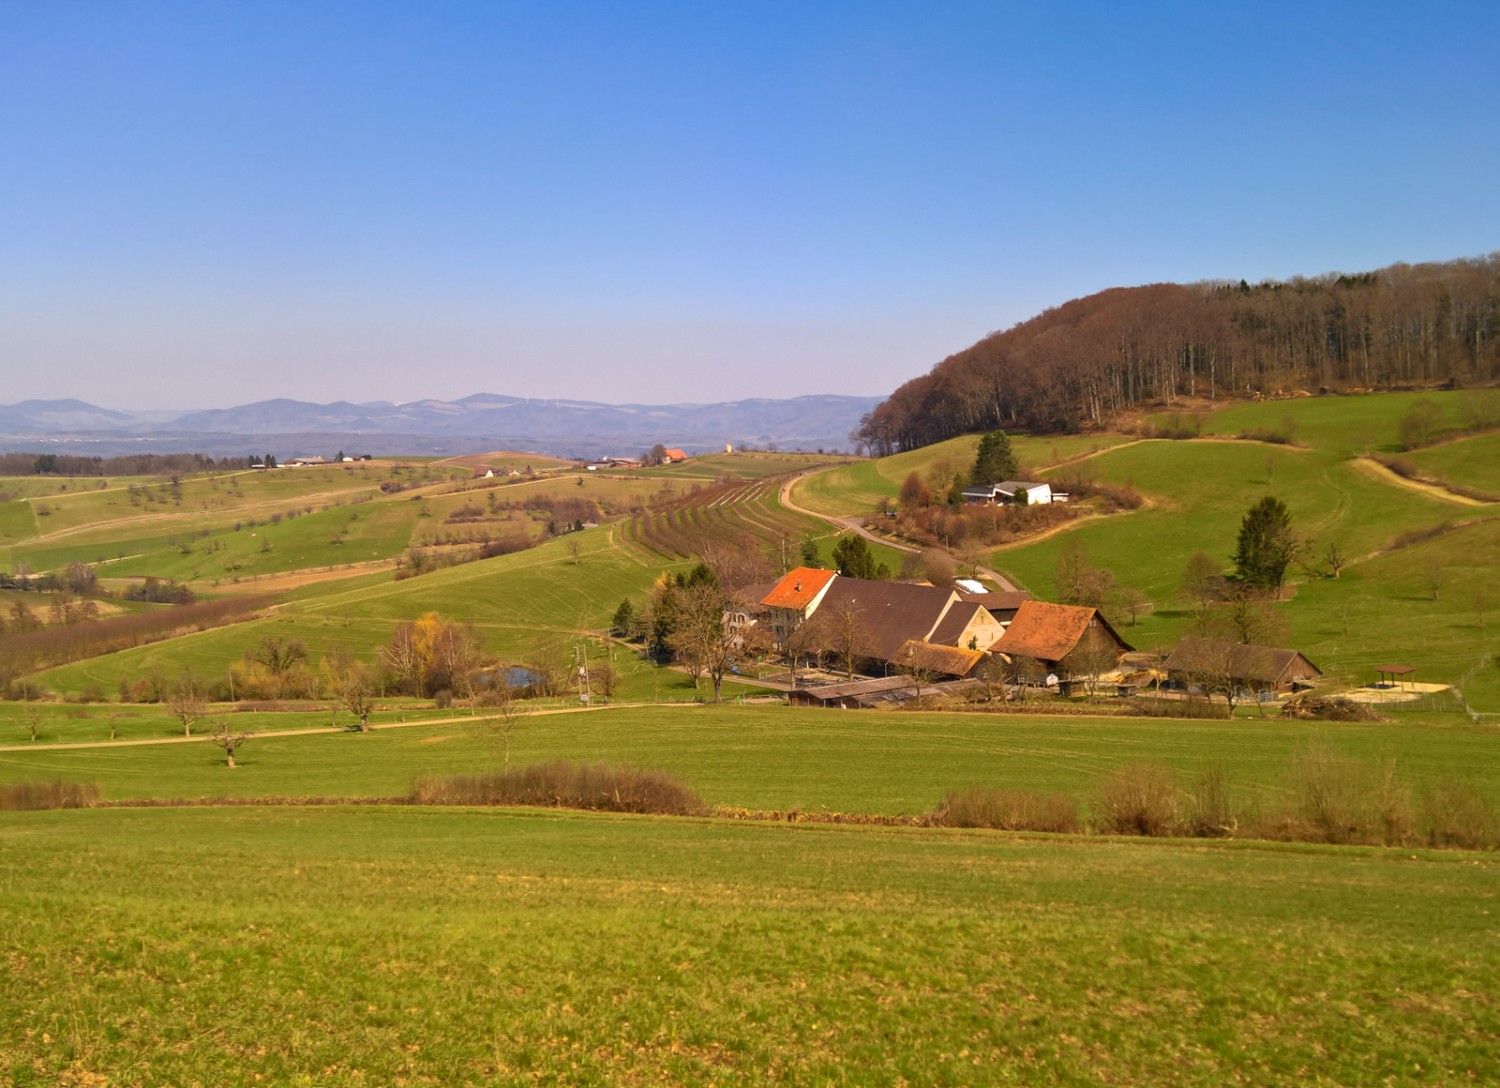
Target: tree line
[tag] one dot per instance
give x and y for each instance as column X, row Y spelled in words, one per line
column 1085, row 361
column 134, row 464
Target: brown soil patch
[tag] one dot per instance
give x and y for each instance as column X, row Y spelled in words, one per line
column 295, row 579
column 434, row 740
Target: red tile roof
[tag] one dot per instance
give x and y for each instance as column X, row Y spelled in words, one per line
column 798, row 588
column 1049, row 632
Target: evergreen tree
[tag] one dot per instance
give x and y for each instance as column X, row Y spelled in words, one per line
column 1266, row 546
column 996, row 460
column 624, row 620
column 810, row 556
column 853, row 557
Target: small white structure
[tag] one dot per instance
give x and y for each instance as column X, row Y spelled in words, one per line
column 1036, row 493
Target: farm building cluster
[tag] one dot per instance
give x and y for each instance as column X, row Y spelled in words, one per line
column 899, row 640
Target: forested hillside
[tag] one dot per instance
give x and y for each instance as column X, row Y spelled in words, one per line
column 1089, row 359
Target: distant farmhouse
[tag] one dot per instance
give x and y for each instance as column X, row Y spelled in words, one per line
column 1023, row 492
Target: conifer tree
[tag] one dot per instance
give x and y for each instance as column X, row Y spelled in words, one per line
column 996, row 460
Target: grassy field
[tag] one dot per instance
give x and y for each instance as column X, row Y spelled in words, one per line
column 860, row 487
column 442, row 947
column 758, row 757
column 1473, row 461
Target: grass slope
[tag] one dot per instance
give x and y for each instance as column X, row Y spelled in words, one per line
column 379, row 946
column 764, row 757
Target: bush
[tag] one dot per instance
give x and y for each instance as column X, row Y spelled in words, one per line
column 1456, row 814
column 1209, row 814
column 560, row 784
column 1009, row 810
column 1342, row 800
column 1138, row 799
column 32, row 796
column 1148, row 706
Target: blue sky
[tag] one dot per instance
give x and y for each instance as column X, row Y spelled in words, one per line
column 203, row 204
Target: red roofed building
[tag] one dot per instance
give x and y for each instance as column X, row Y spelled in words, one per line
column 1063, row 637
column 796, row 596
column 671, row 457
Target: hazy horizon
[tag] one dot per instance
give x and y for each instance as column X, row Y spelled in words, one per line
column 210, row 207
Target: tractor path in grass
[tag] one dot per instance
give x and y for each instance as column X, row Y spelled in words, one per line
column 858, row 526
column 199, row 738
column 1376, row 470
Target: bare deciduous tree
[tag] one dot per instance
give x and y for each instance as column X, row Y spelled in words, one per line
column 186, row 705
column 225, row 738
column 500, row 724
column 356, row 693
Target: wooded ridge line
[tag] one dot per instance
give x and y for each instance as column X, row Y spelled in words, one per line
column 1088, row 360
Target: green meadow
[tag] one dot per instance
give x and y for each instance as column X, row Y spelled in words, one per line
column 365, row 944
column 439, row 947
column 753, row 756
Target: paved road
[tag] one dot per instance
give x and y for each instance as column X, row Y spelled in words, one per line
column 858, row 526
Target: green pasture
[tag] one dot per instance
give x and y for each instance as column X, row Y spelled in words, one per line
column 860, row 487
column 1379, row 609
column 745, row 466
column 90, row 723
column 1473, row 461
column 450, row 947
column 1348, row 426
column 761, row 756
column 512, row 600
column 337, row 535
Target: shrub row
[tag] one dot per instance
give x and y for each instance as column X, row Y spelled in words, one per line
column 560, row 784
column 32, row 796
column 1332, row 798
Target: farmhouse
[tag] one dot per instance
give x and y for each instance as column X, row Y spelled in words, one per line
column 1025, row 492
column 1067, row 639
column 881, row 618
column 793, row 599
column 672, row 457
column 1002, row 606
column 1197, row 661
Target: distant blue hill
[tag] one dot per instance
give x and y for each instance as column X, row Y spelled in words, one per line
column 486, row 420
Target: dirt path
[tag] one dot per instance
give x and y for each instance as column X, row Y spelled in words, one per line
column 1375, row 470
column 857, row 525
column 384, row 726
column 295, row 579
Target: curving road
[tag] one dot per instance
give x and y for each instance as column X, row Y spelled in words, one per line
column 858, row 525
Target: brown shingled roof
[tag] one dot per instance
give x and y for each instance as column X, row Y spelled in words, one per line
column 948, row 660
column 1049, row 632
column 798, row 588
column 1266, row 664
column 890, row 612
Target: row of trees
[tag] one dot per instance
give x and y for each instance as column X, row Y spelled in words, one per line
column 134, row 464
column 1091, row 358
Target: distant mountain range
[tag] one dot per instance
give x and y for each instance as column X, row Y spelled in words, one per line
column 483, row 421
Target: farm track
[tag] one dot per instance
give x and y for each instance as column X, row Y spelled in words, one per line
column 1375, row 470
column 857, row 525
column 314, row 730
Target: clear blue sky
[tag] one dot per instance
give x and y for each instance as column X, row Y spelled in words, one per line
column 203, row 204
